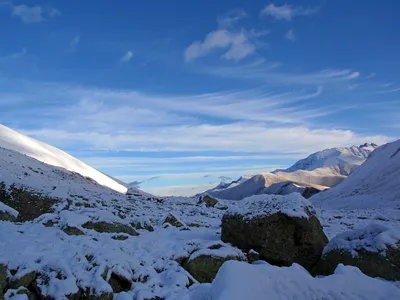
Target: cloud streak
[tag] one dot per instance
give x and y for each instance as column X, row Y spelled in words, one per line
column 287, row 12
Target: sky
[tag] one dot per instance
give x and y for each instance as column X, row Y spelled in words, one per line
column 176, row 96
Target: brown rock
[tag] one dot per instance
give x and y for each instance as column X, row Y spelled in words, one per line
column 279, row 239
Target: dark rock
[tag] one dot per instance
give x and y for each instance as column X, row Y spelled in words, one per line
column 119, row 237
column 30, row 205
column 24, row 281
column 209, row 201
column 119, row 283
column 309, row 192
column 171, row 219
column 204, row 268
column 4, row 216
column 3, row 280
column 73, row 231
column 110, row 227
column 370, row 263
column 280, row 239
column 253, row 256
column 146, row 226
column 363, row 249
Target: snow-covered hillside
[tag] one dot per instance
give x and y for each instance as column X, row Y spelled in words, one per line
column 320, row 170
column 375, row 184
column 10, row 139
column 342, row 160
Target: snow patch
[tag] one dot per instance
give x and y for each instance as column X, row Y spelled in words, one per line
column 239, row 280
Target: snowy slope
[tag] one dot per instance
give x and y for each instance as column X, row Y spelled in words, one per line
column 375, row 184
column 10, row 139
column 342, row 160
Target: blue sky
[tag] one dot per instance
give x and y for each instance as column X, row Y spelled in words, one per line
column 179, row 95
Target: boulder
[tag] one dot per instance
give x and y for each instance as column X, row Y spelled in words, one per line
column 3, row 280
column 28, row 204
column 253, row 256
column 143, row 223
column 119, row 283
column 73, row 231
column 309, row 192
column 110, row 227
column 209, row 201
column 375, row 250
column 173, row 220
column 282, row 229
column 204, row 264
column 7, row 213
column 24, row 280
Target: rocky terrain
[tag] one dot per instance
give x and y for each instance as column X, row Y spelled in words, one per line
column 63, row 235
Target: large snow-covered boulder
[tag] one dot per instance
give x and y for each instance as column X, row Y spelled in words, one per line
column 282, row 229
column 239, row 280
column 375, row 250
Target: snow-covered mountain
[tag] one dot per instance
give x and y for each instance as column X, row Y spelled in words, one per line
column 12, row 140
column 319, row 171
column 375, row 184
column 341, row 160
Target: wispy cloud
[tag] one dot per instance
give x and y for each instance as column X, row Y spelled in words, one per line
column 263, row 71
column 33, row 14
column 287, row 12
column 290, row 35
column 73, row 45
column 229, row 18
column 127, row 56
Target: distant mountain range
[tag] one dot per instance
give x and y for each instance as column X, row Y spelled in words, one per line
column 317, row 172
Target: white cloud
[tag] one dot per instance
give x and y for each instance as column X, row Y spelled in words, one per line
column 230, row 18
column 74, row 43
column 33, row 14
column 237, row 45
column 287, row 12
column 290, row 35
column 127, row 56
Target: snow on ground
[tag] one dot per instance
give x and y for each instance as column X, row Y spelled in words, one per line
column 259, row 281
column 12, row 140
